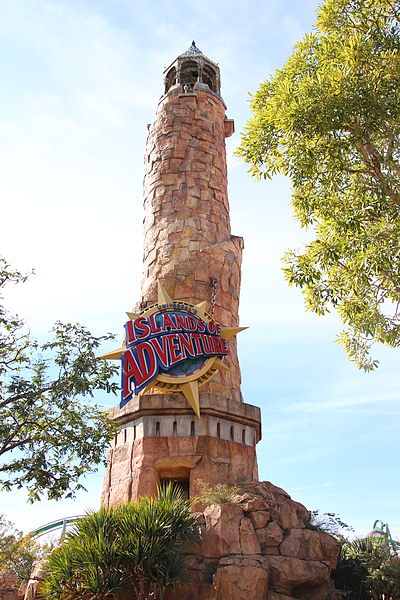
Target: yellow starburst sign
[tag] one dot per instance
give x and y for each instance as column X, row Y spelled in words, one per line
column 171, row 347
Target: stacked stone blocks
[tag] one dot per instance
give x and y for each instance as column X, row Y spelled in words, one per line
column 197, row 449
column 187, row 228
column 259, row 549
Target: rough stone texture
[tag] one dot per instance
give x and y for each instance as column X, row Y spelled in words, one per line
column 230, row 563
column 31, row 591
column 272, row 562
column 8, row 585
column 221, row 532
column 259, row 518
column 187, row 237
column 309, row 545
column 260, row 549
column 38, row 569
column 188, row 242
column 240, row 582
column 270, row 535
column 135, row 469
column 210, row 404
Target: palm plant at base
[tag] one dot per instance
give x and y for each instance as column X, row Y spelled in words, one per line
column 368, row 569
column 135, row 550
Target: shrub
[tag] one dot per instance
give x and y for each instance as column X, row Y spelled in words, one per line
column 221, row 493
column 135, row 549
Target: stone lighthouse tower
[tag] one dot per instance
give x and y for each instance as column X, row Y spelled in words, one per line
column 182, row 416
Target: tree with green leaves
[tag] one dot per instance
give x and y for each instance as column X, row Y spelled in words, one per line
column 330, row 120
column 18, row 552
column 135, row 549
column 368, row 569
column 50, row 435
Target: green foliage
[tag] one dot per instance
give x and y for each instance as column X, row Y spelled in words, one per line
column 136, row 548
column 368, row 569
column 327, row 522
column 221, row 493
column 49, row 435
column 330, row 120
column 18, row 552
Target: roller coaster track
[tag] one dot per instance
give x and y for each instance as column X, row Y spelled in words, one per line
column 59, row 524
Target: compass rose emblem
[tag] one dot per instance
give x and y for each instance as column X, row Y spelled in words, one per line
column 171, row 347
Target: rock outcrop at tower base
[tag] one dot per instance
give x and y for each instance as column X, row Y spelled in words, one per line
column 259, row 549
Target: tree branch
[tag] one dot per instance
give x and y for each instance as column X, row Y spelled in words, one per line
column 372, row 160
column 25, row 395
column 10, row 447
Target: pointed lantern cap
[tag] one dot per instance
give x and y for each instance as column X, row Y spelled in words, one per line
column 192, row 50
column 192, row 71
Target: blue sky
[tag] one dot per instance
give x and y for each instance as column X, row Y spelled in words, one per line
column 80, row 82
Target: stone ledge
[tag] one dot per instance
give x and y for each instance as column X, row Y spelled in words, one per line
column 210, row 404
column 229, row 127
column 176, row 90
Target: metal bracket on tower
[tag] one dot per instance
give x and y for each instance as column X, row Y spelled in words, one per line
column 213, row 285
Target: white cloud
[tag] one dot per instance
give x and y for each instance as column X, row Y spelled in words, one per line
column 338, row 403
column 312, row 487
column 302, row 457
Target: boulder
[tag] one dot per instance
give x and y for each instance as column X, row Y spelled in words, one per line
column 291, row 514
column 270, row 535
column 260, row 549
column 289, row 573
column 38, row 569
column 254, row 504
column 249, row 543
column 8, row 579
column 311, row 545
column 240, row 582
column 259, row 518
column 36, row 577
column 221, row 533
column 276, row 596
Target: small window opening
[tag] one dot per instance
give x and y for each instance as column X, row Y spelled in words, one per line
column 209, row 79
column 180, row 482
column 189, row 75
column 243, row 437
column 125, row 435
column 192, row 428
column 134, row 432
column 232, row 435
column 218, row 430
column 157, row 428
column 115, row 439
column 175, row 428
column 170, row 79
